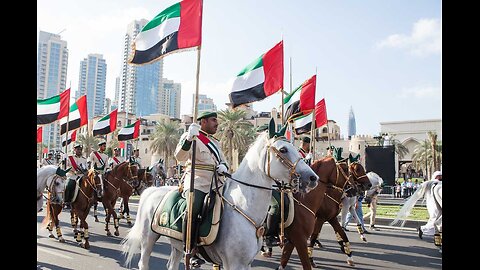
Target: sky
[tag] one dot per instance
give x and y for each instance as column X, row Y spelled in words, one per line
column 381, row 58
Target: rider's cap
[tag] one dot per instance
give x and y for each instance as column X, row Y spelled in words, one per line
column 306, row 139
column 116, row 148
column 206, row 114
column 435, row 174
column 76, row 145
column 331, row 147
column 102, row 142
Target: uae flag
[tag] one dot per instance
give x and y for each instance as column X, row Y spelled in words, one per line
column 302, row 100
column 107, row 124
column 177, row 28
column 129, row 132
column 51, row 109
column 321, row 113
column 39, row 134
column 72, row 136
column 77, row 117
column 303, row 124
column 262, row 78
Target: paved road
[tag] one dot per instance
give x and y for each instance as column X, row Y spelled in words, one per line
column 386, row 249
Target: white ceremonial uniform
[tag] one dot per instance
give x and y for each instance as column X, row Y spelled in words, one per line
column 81, row 163
column 97, row 164
column 114, row 161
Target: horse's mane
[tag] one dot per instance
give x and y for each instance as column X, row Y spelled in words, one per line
column 253, row 153
column 376, row 177
column 43, row 173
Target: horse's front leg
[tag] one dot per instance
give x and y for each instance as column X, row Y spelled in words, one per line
column 84, row 226
column 116, row 219
column 286, row 253
column 314, row 239
column 127, row 210
column 95, row 205
column 108, row 212
column 342, row 239
column 121, row 208
column 57, row 208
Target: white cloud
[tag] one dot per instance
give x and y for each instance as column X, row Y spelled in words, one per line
column 420, row 92
column 425, row 38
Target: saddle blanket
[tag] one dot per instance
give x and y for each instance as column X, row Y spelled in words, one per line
column 168, row 218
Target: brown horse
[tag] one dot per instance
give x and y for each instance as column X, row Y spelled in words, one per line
column 329, row 211
column 113, row 180
column 90, row 187
column 127, row 189
column 332, row 175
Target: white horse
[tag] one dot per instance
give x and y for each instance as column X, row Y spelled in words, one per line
column 238, row 239
column 348, row 203
column 158, row 172
column 52, row 178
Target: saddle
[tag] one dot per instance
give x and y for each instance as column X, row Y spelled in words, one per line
column 289, row 207
column 169, row 214
column 71, row 189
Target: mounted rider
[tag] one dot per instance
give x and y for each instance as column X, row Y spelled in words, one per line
column 78, row 163
column 98, row 160
column 209, row 161
column 136, row 158
column 305, row 150
column 49, row 160
column 115, row 159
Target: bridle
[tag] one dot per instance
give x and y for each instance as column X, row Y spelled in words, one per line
column 51, row 189
column 291, row 166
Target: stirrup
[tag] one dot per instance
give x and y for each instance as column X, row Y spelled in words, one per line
column 195, row 261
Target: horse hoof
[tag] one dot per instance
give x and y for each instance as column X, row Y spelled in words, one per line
column 86, row 246
column 266, row 254
column 51, row 236
column 109, row 233
column 350, row 263
column 61, row 240
column 96, row 219
column 363, row 238
column 116, row 233
column 129, row 223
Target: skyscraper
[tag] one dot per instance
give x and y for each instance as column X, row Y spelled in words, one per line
column 117, row 93
column 91, row 82
column 352, row 127
column 170, row 98
column 204, row 103
column 52, row 62
column 140, row 85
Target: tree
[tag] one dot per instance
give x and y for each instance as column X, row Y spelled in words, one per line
column 112, row 143
column 232, row 129
column 89, row 142
column 165, row 139
column 424, row 155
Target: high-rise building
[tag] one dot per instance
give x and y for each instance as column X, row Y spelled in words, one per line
column 140, row 85
column 117, row 92
column 352, row 127
column 91, row 82
column 108, row 106
column 52, row 62
column 170, row 98
column 204, row 103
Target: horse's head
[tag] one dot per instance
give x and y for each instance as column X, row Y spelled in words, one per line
column 95, row 179
column 282, row 162
column 144, row 176
column 158, row 170
column 358, row 176
column 56, row 186
column 127, row 171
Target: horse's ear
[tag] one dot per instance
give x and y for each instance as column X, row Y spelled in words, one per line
column 149, row 169
column 271, row 128
column 281, row 132
column 61, row 172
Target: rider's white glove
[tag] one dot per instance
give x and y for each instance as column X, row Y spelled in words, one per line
column 308, row 156
column 193, row 130
column 221, row 169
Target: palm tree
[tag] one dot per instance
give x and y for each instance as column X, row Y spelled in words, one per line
column 165, row 139
column 88, row 141
column 112, row 143
column 231, row 132
column 432, row 137
column 423, row 157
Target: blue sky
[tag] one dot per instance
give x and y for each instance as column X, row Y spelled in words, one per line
column 383, row 58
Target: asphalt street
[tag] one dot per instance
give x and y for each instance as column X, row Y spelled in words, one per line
column 389, row 248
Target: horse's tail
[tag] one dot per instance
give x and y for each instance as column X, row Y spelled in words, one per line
column 131, row 242
column 404, row 212
column 48, row 215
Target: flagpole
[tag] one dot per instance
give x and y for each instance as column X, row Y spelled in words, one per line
column 66, row 133
column 189, row 236
column 314, row 128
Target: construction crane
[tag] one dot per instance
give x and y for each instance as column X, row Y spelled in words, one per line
column 61, row 31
